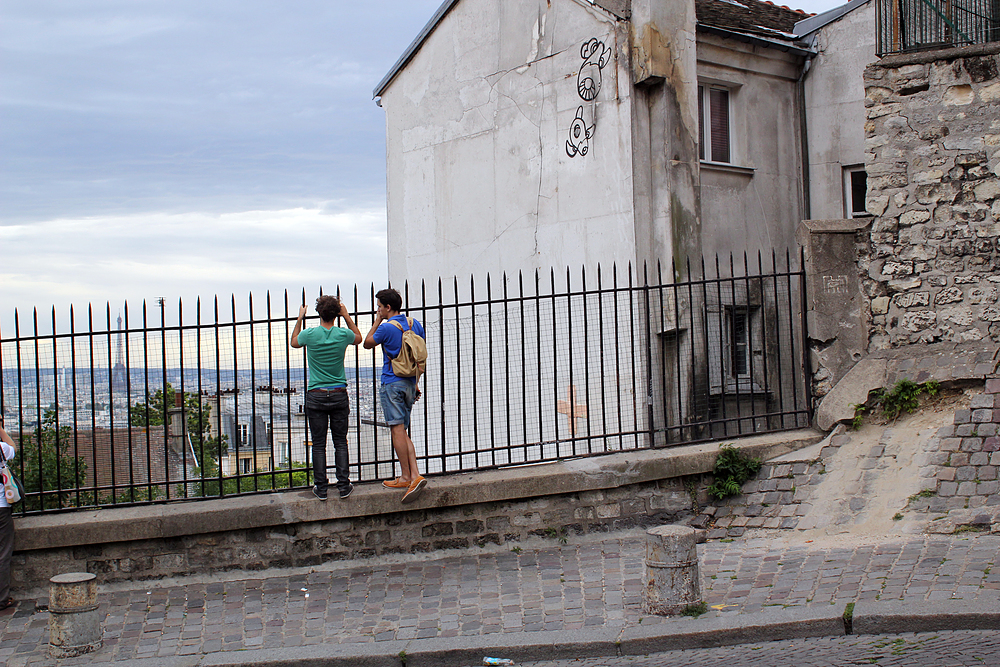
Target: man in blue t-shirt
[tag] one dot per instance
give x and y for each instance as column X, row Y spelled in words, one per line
column 397, row 394
column 327, row 405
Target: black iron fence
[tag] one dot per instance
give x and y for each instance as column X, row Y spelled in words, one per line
column 165, row 403
column 904, row 26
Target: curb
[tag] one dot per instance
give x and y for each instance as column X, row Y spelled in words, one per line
column 897, row 616
column 673, row 634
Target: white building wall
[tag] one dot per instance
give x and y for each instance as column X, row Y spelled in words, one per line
column 479, row 177
column 835, row 97
column 756, row 202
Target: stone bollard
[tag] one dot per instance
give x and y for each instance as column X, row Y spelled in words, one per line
column 74, row 626
column 671, row 570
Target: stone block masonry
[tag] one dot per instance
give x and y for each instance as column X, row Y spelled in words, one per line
column 962, row 469
column 292, row 529
column 932, row 270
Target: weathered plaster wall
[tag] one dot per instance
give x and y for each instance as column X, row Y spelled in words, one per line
column 836, row 310
column 835, row 105
column 933, row 160
column 480, row 177
column 756, row 202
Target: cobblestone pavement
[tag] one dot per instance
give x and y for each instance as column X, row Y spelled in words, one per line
column 969, row 648
column 562, row 586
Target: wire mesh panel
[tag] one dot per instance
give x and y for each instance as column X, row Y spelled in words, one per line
column 207, row 400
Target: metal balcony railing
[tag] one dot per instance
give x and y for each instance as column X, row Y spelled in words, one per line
column 906, row 26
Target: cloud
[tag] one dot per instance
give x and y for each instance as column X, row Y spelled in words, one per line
column 141, row 257
column 180, row 148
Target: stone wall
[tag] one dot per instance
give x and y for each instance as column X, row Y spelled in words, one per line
column 964, row 458
column 333, row 539
column 292, row 529
column 932, row 271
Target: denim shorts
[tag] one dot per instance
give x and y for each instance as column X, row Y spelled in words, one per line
column 397, row 401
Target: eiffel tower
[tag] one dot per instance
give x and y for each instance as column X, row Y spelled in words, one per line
column 118, row 376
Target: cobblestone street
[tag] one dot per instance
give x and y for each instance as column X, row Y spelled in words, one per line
column 562, row 587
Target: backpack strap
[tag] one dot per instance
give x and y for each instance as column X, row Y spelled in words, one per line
column 409, row 323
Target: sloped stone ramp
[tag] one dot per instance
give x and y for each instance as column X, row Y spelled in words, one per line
column 933, row 471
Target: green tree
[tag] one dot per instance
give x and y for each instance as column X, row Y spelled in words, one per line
column 50, row 473
column 155, row 411
column 207, row 449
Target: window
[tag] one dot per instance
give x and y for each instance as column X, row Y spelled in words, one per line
column 244, row 428
column 738, row 334
column 246, row 463
column 713, row 123
column 855, row 191
column 735, row 347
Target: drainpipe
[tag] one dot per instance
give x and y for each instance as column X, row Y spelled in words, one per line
column 804, row 131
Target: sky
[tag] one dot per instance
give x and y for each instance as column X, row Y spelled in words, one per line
column 184, row 148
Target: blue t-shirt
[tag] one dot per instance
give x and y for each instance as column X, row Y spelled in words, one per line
column 391, row 339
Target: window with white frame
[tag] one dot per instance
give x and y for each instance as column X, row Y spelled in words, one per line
column 244, row 433
column 713, row 123
column 247, row 463
column 855, row 191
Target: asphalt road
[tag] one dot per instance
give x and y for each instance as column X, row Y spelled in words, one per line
column 963, row 648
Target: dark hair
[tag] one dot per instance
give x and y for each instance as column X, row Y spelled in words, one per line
column 328, row 307
column 391, row 298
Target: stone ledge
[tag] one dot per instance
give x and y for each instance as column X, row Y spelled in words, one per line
column 95, row 527
column 925, row 57
column 837, row 225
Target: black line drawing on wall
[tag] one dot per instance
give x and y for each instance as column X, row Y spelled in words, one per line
column 579, row 135
column 595, row 56
column 588, row 85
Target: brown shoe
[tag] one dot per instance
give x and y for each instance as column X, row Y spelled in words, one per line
column 9, row 602
column 395, row 484
column 416, row 488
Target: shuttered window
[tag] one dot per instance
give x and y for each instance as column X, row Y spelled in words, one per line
column 713, row 124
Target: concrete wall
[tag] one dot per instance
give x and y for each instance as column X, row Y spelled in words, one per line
column 836, row 309
column 835, row 107
column 933, row 159
column 756, row 202
column 290, row 529
column 480, row 178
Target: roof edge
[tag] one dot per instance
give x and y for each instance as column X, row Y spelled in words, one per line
column 753, row 38
column 806, row 27
column 414, row 46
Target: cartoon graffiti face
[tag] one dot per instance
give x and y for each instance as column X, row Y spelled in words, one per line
column 595, row 56
column 579, row 135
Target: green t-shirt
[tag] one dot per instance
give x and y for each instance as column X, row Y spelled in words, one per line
column 325, row 352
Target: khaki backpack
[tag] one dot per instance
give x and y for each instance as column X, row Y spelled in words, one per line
column 412, row 358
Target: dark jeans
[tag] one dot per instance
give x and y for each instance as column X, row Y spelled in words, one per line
column 6, row 549
column 329, row 409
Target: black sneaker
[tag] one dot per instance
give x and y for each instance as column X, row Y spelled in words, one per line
column 319, row 494
column 349, row 491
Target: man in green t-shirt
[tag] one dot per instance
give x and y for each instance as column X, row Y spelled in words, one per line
column 327, row 405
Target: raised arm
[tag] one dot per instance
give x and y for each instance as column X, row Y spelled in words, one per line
column 370, row 343
column 6, row 438
column 294, row 340
column 350, row 323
